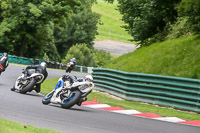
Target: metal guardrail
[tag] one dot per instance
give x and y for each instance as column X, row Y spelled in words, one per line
column 177, row 92
column 50, row 64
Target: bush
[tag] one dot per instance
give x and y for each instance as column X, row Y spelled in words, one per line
column 101, row 57
column 180, row 28
column 191, row 9
column 82, row 53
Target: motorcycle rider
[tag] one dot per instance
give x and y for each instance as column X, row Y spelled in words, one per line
column 3, row 62
column 56, row 99
column 38, row 69
column 73, row 62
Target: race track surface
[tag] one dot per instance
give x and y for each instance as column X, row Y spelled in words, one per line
column 29, row 110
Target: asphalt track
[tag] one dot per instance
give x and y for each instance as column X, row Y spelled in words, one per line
column 29, row 110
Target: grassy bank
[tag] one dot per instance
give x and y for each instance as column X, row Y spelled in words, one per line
column 179, row 57
column 49, row 84
column 109, row 28
column 14, row 127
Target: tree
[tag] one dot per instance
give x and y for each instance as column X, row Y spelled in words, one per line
column 147, row 19
column 27, row 27
column 80, row 28
column 191, row 9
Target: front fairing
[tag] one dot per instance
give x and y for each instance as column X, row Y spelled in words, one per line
column 59, row 84
column 84, row 87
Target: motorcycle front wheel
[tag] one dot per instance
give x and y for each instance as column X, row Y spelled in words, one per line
column 28, row 87
column 47, row 98
column 72, row 100
column 68, row 70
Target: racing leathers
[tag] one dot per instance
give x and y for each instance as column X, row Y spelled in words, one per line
column 38, row 69
column 3, row 62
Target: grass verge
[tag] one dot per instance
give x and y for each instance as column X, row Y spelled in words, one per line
column 14, row 127
column 179, row 57
column 49, row 84
column 110, row 26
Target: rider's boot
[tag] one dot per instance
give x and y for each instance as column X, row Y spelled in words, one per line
column 13, row 88
column 82, row 100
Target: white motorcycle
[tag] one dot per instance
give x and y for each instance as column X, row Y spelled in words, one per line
column 25, row 83
column 69, row 94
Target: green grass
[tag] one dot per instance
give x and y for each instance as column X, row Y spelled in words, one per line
column 14, row 127
column 110, row 22
column 179, row 57
column 49, row 84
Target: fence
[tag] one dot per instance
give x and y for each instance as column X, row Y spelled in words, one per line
column 50, row 64
column 181, row 93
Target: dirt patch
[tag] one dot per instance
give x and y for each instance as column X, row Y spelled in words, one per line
column 115, row 47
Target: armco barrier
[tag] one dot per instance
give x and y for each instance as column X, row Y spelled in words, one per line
column 50, row 64
column 181, row 93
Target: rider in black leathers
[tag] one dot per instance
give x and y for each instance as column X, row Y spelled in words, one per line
column 38, row 69
column 73, row 61
column 3, row 62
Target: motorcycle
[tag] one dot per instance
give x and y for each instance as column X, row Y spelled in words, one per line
column 70, row 67
column 25, row 83
column 3, row 63
column 69, row 94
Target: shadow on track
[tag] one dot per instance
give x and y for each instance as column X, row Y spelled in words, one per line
column 72, row 109
column 30, row 94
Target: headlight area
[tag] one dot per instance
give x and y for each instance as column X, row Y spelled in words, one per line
column 82, row 87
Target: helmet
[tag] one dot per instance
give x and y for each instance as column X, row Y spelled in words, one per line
column 5, row 54
column 88, row 78
column 73, row 59
column 43, row 64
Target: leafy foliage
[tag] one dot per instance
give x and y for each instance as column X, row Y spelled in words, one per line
column 82, row 53
column 191, row 9
column 101, row 57
column 80, row 28
column 32, row 28
column 179, row 29
column 147, row 18
column 27, row 26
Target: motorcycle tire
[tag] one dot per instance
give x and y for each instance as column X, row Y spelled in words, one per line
column 68, row 70
column 72, row 100
column 28, row 87
column 47, row 98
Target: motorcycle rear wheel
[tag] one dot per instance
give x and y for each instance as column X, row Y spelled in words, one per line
column 72, row 100
column 28, row 87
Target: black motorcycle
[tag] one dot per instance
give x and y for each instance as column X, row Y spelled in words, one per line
column 70, row 67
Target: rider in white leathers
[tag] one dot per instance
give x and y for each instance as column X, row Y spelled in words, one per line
column 71, row 79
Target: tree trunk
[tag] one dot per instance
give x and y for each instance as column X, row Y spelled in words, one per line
column 21, row 52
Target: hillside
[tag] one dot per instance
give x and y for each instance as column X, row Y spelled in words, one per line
column 110, row 24
column 179, row 57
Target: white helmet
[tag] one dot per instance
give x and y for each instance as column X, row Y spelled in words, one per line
column 43, row 64
column 88, row 78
